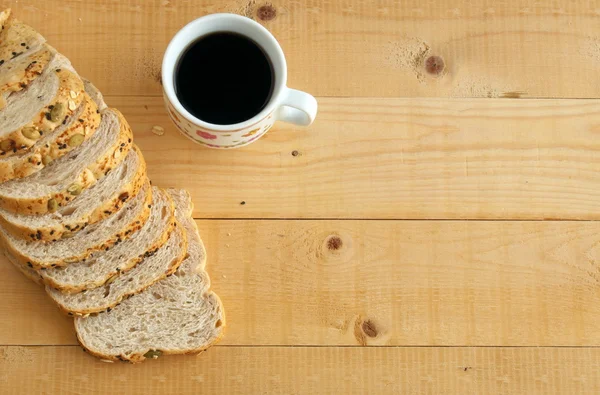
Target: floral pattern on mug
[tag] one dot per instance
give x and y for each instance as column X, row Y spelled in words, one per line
column 173, row 115
column 216, row 138
column 251, row 133
column 206, row 135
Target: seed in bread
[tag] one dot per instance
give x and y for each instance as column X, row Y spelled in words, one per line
column 177, row 315
column 96, row 271
column 76, row 246
column 83, row 166
column 93, row 204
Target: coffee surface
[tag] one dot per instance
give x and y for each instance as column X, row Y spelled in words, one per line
column 224, row 78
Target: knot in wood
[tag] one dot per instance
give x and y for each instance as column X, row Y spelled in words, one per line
column 334, row 243
column 266, row 12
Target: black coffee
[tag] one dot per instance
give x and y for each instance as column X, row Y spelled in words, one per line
column 224, row 78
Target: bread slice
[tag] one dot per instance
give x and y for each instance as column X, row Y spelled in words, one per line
column 177, row 315
column 28, row 272
column 96, row 271
column 94, row 204
column 62, row 140
column 64, row 179
column 94, row 94
column 16, row 38
column 155, row 266
column 53, row 145
column 23, row 55
column 46, row 104
column 84, row 243
column 18, row 73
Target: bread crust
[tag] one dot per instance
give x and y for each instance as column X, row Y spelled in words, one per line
column 16, row 37
column 17, row 74
column 88, row 177
column 39, row 156
column 139, row 357
column 135, row 225
column 70, row 225
column 206, row 294
column 28, row 272
column 174, row 265
column 16, row 142
column 123, row 268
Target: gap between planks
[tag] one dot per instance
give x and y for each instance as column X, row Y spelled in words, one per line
column 330, row 346
column 395, row 219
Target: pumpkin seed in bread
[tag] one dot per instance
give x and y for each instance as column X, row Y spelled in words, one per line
column 83, row 244
column 39, row 110
column 17, row 74
column 156, row 265
column 176, row 315
column 51, row 146
column 94, row 204
column 62, row 180
column 96, row 271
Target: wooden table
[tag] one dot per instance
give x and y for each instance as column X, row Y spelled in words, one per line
column 429, row 234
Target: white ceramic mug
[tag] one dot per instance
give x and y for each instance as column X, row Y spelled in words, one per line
column 285, row 104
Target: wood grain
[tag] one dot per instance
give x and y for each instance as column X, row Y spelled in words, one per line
column 510, row 48
column 301, row 370
column 344, row 283
column 392, row 158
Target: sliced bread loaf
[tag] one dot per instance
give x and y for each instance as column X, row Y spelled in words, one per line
column 65, row 178
column 103, row 266
column 157, row 265
column 82, row 244
column 53, row 144
column 18, row 73
column 94, row 94
column 46, row 104
column 79, row 128
column 177, row 315
column 16, row 38
column 27, row 271
column 94, row 204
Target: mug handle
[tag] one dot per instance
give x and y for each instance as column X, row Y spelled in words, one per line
column 297, row 107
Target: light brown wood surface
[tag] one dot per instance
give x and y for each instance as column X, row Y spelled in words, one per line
column 392, row 158
column 398, row 283
column 427, row 235
column 310, row 370
column 508, row 48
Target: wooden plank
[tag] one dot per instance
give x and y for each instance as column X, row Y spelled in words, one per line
column 300, row 370
column 511, row 48
column 392, row 158
column 378, row 283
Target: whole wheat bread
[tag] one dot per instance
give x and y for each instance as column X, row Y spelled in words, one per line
column 46, row 104
column 82, row 244
column 78, row 214
column 23, row 55
column 64, row 179
column 155, row 266
column 16, row 39
column 177, row 315
column 79, row 128
column 16, row 74
column 92, row 205
column 96, row 271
